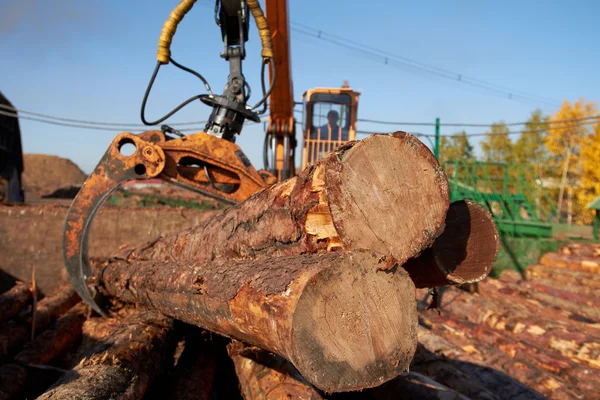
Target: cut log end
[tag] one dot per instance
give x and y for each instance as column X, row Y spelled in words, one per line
column 464, row 253
column 374, row 185
column 356, row 327
column 468, row 247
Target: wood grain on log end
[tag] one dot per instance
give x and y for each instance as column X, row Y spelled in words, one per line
column 355, row 326
column 387, row 193
column 346, row 320
column 464, row 253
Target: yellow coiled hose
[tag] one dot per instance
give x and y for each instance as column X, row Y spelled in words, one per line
column 184, row 6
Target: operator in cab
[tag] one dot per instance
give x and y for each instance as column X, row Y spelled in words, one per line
column 331, row 127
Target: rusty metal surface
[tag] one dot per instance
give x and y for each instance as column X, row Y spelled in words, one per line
column 199, row 162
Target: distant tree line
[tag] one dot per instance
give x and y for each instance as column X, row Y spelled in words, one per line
column 562, row 148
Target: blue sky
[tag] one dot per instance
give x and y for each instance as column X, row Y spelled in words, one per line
column 92, row 60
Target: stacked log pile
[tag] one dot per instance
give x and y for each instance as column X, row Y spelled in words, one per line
column 307, row 290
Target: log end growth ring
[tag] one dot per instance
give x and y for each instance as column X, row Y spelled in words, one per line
column 467, row 249
column 389, row 194
column 355, row 327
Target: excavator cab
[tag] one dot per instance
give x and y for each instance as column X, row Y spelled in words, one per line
column 329, row 121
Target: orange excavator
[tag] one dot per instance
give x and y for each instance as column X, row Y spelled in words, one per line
column 209, row 162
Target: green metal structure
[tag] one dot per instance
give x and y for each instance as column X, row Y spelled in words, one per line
column 512, row 193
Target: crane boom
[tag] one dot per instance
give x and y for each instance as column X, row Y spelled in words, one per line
column 280, row 140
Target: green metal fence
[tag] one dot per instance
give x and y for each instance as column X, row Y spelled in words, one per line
column 512, row 193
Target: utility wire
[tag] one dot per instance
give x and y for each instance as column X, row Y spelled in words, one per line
column 404, row 63
column 79, row 121
column 564, row 121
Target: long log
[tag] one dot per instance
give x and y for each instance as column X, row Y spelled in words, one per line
column 412, row 385
column 346, row 320
column 15, row 333
column 264, row 376
column 542, row 357
column 465, row 372
column 514, row 317
column 521, row 369
column 386, row 193
column 41, row 351
column 577, row 278
column 464, row 253
column 14, row 300
column 575, row 263
column 567, row 285
column 121, row 355
column 550, row 300
column 580, row 249
column 574, row 295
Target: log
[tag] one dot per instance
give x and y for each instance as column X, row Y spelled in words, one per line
column 121, row 355
column 580, row 249
column 521, row 369
column 14, row 300
column 346, row 320
column 539, row 356
column 574, row 295
column 513, row 317
column 465, row 371
column 41, row 351
column 577, row 278
column 386, row 193
column 61, row 299
column 14, row 334
column 550, row 300
column 464, row 253
column 564, row 285
column 412, row 385
column 264, row 376
column 575, row 263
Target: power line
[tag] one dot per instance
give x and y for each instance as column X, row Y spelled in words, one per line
column 78, row 121
column 404, row 62
column 457, row 124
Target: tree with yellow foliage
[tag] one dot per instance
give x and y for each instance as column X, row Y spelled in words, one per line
column 568, row 131
column 456, row 147
column 497, row 146
column 590, row 174
column 529, row 147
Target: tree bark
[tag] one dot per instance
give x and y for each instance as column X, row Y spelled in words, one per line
column 14, row 300
column 522, row 290
column 15, row 333
column 121, row 355
column 386, row 193
column 580, row 249
column 577, row 278
column 412, row 385
column 567, row 285
column 265, row 376
column 346, row 320
column 466, row 372
column 574, row 295
column 512, row 316
column 464, row 253
column 45, row 348
column 457, row 316
column 520, row 369
column 575, row 263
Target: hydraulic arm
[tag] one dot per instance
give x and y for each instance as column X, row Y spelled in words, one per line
column 207, row 162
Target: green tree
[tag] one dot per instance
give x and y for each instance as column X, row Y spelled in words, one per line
column 530, row 148
column 456, row 147
column 497, row 146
